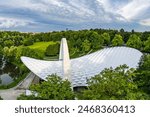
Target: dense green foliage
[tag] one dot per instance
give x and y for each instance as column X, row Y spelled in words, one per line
column 28, row 41
column 134, row 42
column 113, row 84
column 147, row 45
column 117, row 40
column 96, row 37
column 8, row 43
column 96, row 40
column 106, row 38
column 53, row 89
column 143, row 74
column 86, row 45
column 52, row 50
column 1, row 50
column 13, row 54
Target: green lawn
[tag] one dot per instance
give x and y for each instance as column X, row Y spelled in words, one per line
column 41, row 46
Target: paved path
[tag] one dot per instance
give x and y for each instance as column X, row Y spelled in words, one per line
column 10, row 94
column 13, row 93
column 26, row 82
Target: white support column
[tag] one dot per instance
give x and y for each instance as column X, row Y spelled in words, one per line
column 64, row 57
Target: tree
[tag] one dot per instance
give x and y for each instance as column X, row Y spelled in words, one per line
column 27, row 42
column 96, row 40
column 86, row 45
column 78, row 43
column 126, row 36
column 143, row 74
column 8, row 43
column 53, row 89
column 6, row 51
column 145, row 35
column 26, row 51
column 14, row 53
column 134, row 41
column 117, row 40
column 113, row 84
column 1, row 49
column 122, row 32
column 132, row 31
column 52, row 50
column 106, row 38
column 147, row 45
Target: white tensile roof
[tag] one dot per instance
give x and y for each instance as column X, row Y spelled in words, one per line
column 85, row 67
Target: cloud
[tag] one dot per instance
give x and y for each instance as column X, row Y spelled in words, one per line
column 134, row 9
column 12, row 22
column 145, row 22
column 73, row 13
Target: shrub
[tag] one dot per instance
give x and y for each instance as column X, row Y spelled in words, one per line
column 52, row 50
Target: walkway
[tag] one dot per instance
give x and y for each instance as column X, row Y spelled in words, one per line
column 13, row 93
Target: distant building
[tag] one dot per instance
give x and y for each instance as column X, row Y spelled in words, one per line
column 78, row 70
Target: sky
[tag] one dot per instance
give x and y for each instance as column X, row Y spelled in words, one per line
column 57, row 15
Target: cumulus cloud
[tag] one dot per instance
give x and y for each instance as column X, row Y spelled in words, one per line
column 12, row 22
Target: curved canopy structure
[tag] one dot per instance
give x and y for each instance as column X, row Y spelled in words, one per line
column 85, row 67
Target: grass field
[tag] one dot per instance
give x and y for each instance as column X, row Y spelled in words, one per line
column 41, row 46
